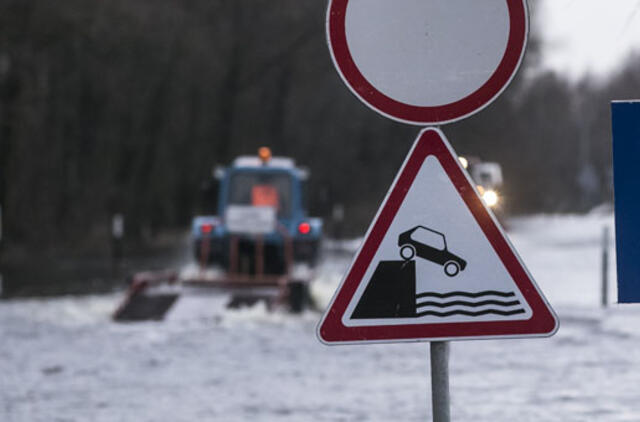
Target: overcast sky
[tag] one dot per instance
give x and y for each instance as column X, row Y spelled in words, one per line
column 589, row 36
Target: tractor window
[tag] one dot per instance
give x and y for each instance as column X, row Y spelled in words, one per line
column 264, row 196
column 429, row 238
column 262, row 189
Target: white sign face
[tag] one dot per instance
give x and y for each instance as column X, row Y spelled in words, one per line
column 435, row 264
column 427, row 61
column 424, row 50
column 241, row 219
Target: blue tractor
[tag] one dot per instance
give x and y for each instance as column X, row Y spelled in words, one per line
column 261, row 205
column 260, row 245
column 262, row 234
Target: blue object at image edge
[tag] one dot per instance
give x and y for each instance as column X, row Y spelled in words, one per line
column 625, row 117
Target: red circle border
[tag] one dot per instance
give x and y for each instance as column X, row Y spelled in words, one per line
column 421, row 115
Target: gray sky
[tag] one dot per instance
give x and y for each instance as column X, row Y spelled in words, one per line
column 589, row 36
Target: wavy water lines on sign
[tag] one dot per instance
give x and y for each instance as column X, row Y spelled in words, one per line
column 472, row 304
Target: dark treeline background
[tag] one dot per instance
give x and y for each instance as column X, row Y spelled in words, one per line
column 125, row 106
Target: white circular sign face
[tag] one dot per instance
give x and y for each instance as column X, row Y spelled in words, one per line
column 427, row 61
column 424, row 49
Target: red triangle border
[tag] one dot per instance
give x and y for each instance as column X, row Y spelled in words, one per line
column 543, row 322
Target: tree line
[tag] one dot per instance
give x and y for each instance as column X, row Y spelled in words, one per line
column 125, row 106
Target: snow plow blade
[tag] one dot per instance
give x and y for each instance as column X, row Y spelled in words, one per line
column 143, row 302
column 152, row 294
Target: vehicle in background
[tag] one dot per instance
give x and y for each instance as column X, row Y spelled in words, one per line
column 261, row 210
column 261, row 243
column 488, row 179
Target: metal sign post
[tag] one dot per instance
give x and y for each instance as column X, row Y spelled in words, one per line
column 440, row 402
column 605, row 267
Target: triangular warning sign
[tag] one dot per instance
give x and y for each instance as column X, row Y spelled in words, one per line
column 435, row 264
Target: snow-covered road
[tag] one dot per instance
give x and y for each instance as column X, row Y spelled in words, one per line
column 63, row 360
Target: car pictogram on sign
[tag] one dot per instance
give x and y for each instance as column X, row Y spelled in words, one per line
column 431, row 245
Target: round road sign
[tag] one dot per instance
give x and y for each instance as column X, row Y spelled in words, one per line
column 427, row 62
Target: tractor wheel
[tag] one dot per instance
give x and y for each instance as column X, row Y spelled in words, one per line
column 298, row 296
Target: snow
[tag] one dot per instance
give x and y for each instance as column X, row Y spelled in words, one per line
column 64, row 360
column 563, row 253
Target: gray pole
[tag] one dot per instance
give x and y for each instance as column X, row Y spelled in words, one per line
column 440, row 381
column 605, row 266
